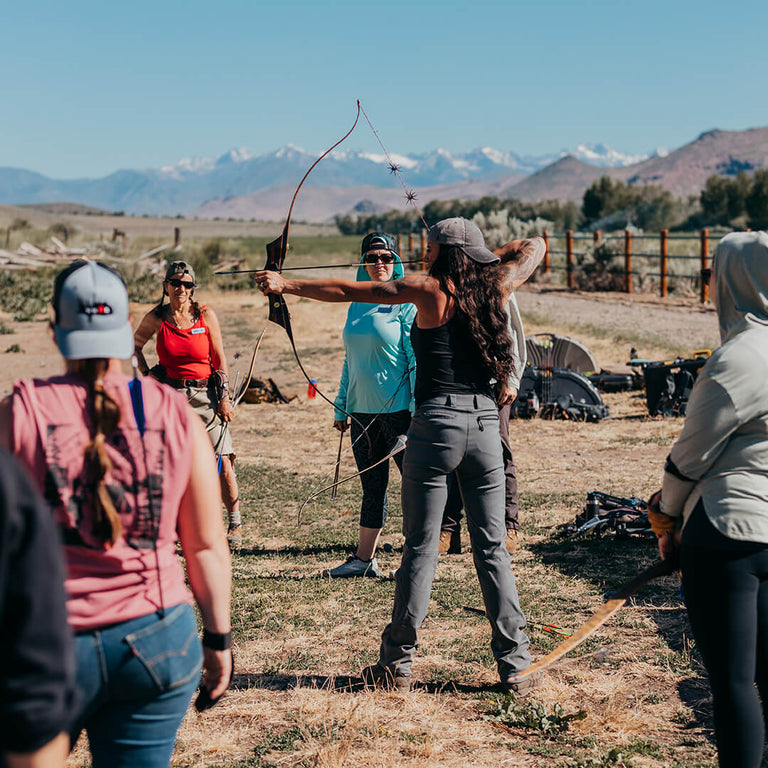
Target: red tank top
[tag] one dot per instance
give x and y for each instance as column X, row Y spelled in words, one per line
column 185, row 353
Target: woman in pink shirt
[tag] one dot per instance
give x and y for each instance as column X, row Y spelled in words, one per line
column 124, row 465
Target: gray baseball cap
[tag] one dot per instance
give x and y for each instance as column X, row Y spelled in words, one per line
column 466, row 236
column 90, row 305
column 180, row 268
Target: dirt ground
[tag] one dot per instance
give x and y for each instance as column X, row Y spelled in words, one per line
column 610, row 324
column 644, row 694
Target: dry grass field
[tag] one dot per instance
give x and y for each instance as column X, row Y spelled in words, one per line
column 633, row 695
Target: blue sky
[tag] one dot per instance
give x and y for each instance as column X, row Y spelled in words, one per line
column 90, row 87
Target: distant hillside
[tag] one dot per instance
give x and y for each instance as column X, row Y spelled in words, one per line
column 565, row 179
column 69, row 209
column 683, row 172
column 324, row 203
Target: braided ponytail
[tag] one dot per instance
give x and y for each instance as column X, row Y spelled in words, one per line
column 105, row 416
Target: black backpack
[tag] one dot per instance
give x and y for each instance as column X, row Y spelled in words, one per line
column 668, row 385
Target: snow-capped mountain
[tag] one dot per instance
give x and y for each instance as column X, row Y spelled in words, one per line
column 437, row 167
column 183, row 186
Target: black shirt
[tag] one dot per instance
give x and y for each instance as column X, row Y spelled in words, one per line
column 448, row 362
column 36, row 657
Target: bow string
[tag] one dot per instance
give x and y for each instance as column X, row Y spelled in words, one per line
column 276, row 253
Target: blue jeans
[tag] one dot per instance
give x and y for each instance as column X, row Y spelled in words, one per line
column 135, row 681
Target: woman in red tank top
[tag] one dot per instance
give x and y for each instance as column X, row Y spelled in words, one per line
column 191, row 358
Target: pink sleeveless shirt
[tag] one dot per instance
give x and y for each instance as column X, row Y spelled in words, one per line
column 141, row 572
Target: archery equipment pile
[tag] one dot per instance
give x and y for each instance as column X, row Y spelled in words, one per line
column 624, row 516
column 265, row 391
column 557, row 393
column 668, row 384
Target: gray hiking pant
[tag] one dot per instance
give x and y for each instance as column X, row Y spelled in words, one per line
column 455, row 433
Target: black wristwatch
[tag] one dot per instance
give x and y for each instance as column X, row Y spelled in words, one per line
column 217, row 641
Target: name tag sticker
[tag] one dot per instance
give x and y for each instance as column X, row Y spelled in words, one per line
column 384, row 308
column 197, row 330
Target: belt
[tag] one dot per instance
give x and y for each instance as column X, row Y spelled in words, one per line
column 182, row 383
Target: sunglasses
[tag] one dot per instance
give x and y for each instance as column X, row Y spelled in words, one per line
column 176, row 283
column 372, row 258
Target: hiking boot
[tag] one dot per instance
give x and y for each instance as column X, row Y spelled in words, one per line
column 523, row 687
column 510, row 540
column 450, row 542
column 354, row 566
column 235, row 536
column 377, row 676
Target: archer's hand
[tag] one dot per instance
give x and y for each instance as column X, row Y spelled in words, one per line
column 269, row 282
column 506, row 395
column 342, row 426
column 226, row 410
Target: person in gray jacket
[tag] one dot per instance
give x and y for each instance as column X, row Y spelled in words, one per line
column 713, row 506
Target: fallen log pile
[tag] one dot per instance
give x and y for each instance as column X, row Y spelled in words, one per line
column 31, row 257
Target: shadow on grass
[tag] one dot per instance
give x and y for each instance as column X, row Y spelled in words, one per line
column 297, row 550
column 608, row 563
column 344, row 684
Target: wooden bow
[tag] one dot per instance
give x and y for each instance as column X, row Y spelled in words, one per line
column 276, row 253
column 614, row 602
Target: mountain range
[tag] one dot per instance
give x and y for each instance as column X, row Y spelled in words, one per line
column 239, row 185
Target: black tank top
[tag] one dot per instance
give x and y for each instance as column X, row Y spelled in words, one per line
column 447, row 362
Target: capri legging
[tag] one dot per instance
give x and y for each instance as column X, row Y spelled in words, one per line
column 382, row 430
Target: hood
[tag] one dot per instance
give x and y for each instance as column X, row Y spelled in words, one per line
column 397, row 272
column 740, row 267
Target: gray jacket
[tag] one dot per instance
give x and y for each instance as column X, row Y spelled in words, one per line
column 721, row 455
column 515, row 327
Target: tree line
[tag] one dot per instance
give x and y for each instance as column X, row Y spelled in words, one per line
column 609, row 204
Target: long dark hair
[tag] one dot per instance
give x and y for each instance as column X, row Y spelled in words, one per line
column 480, row 312
column 105, row 416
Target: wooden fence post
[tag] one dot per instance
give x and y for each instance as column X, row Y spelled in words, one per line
column 704, row 285
column 423, row 249
column 400, row 246
column 176, row 237
column 628, row 259
column 664, row 261
column 569, row 257
column 597, row 236
column 546, row 252
column 410, row 242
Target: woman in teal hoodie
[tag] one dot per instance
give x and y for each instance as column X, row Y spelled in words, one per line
column 377, row 389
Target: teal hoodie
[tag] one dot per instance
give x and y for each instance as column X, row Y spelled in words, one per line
column 379, row 370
